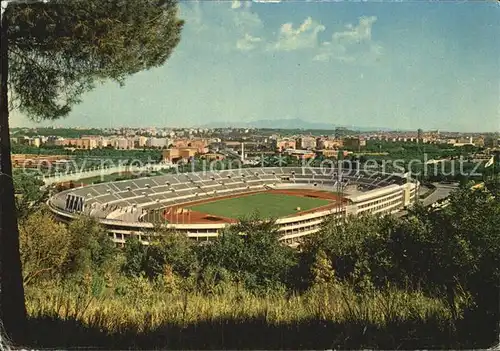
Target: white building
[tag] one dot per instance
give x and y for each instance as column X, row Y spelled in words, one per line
column 157, row 142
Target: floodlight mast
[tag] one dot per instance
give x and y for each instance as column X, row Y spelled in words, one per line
column 339, row 187
column 340, row 190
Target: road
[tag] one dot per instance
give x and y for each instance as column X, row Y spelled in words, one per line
column 442, row 191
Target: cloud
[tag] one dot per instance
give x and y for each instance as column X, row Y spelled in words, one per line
column 238, row 28
column 193, row 15
column 248, row 43
column 362, row 32
column 220, row 29
column 304, row 37
column 236, row 4
column 203, row 16
column 352, row 45
column 246, row 20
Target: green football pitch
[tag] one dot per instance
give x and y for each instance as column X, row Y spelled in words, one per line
column 266, row 205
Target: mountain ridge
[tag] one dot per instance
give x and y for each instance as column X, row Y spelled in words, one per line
column 288, row 123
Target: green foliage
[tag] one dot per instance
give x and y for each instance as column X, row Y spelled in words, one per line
column 81, row 252
column 322, row 271
column 62, row 132
column 356, row 249
column 33, row 150
column 29, row 193
column 493, row 187
column 135, row 255
column 174, row 251
column 60, row 49
column 451, row 253
column 91, row 249
column 85, row 159
column 414, row 150
column 456, row 246
column 169, row 253
column 44, row 246
column 473, row 221
column 251, row 253
column 159, row 317
column 57, row 51
column 429, row 265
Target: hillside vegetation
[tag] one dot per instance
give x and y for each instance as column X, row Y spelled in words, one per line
column 430, row 279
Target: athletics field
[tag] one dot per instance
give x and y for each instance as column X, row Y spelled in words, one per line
column 266, row 204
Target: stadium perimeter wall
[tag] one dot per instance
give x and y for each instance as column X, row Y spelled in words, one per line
column 384, row 200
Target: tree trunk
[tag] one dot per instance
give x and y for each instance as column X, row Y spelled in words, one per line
column 12, row 308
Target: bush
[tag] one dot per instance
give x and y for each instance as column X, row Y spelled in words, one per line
column 91, row 249
column 44, row 246
column 431, row 267
column 251, row 253
column 451, row 253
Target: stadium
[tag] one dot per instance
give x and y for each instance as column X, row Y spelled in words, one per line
column 202, row 204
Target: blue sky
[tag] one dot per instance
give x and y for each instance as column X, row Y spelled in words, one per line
column 403, row 65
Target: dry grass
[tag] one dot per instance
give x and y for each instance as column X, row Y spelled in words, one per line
column 145, row 306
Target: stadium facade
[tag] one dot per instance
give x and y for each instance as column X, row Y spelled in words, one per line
column 132, row 207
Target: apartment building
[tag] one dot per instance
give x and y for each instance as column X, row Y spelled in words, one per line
column 327, row 143
column 176, row 154
column 78, row 143
column 201, row 145
column 355, row 143
column 286, row 143
column 306, row 142
column 157, row 142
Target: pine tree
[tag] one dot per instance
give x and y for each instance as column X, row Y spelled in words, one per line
column 322, row 270
column 51, row 53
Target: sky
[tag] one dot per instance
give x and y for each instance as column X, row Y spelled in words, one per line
column 399, row 65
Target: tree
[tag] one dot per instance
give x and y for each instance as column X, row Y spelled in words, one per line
column 52, row 53
column 454, row 250
column 251, row 253
column 135, row 256
column 321, row 269
column 345, row 246
column 29, row 193
column 91, row 250
column 44, row 246
column 172, row 249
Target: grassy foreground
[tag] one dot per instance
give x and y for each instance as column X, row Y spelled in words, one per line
column 148, row 315
column 426, row 280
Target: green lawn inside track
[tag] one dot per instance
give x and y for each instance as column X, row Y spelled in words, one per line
column 266, row 205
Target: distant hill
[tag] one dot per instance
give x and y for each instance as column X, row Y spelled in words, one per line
column 285, row 123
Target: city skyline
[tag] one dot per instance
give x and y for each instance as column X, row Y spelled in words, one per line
column 332, row 129
column 401, row 66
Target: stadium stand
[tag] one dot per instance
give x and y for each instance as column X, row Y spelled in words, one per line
column 125, row 203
